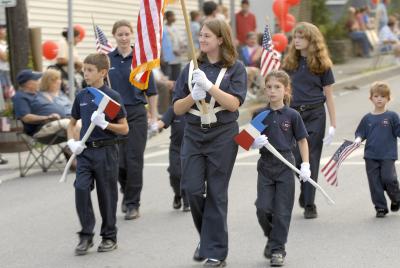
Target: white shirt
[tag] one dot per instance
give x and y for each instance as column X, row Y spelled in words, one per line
column 4, row 66
column 386, row 34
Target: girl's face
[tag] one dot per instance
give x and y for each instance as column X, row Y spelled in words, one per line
column 275, row 91
column 209, row 42
column 379, row 101
column 300, row 42
column 123, row 37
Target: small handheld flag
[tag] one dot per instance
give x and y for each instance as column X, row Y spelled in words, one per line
column 102, row 44
column 331, row 169
column 247, row 136
column 111, row 107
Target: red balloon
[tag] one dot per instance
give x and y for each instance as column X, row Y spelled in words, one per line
column 280, row 42
column 374, row 2
column 81, row 31
column 280, row 8
column 288, row 23
column 293, row 2
column 50, row 50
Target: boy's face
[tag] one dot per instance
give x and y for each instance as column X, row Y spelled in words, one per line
column 92, row 75
column 379, row 101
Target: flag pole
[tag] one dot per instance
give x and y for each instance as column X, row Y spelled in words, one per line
column 95, row 35
column 192, row 49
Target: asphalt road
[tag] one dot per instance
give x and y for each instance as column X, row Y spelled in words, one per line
column 38, row 221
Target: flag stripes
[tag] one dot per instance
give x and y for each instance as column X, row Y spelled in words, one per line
column 270, row 59
column 102, row 44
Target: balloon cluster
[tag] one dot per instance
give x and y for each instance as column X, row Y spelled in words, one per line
column 286, row 22
column 50, row 48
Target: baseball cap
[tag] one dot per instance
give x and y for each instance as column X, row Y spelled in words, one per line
column 27, row 74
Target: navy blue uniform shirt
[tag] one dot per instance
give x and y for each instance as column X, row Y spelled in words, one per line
column 284, row 128
column 177, row 123
column 30, row 103
column 234, row 83
column 381, row 132
column 308, row 87
column 119, row 73
column 84, row 107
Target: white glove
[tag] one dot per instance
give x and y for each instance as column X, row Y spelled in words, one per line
column 305, row 171
column 76, row 146
column 198, row 93
column 358, row 140
column 99, row 120
column 259, row 142
column 200, row 79
column 329, row 138
column 154, row 127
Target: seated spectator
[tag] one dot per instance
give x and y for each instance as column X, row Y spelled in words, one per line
column 356, row 34
column 389, row 41
column 50, row 89
column 34, row 111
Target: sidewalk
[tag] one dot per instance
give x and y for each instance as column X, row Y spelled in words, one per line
column 349, row 76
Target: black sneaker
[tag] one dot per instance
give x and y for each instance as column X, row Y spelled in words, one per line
column 107, row 245
column 186, row 208
column 196, row 255
column 267, row 252
column 381, row 212
column 394, row 206
column 310, row 212
column 177, row 203
column 132, row 213
column 83, row 246
column 277, row 260
column 214, row 263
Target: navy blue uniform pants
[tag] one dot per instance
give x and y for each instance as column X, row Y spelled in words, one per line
column 97, row 167
column 208, row 156
column 314, row 121
column 382, row 177
column 131, row 156
column 275, row 199
column 175, row 170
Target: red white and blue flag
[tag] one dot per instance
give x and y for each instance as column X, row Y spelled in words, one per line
column 102, row 44
column 111, row 107
column 270, row 58
column 147, row 49
column 247, row 136
column 331, row 169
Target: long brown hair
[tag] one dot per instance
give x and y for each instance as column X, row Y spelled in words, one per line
column 221, row 29
column 283, row 78
column 318, row 59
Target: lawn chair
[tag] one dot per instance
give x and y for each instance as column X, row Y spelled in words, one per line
column 44, row 151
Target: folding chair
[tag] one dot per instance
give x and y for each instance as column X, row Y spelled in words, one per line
column 45, row 151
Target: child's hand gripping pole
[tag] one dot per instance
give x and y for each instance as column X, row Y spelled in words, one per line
column 313, row 183
column 105, row 104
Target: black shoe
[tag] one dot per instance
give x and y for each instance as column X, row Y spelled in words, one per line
column 214, row 263
column 196, row 255
column 3, row 161
column 277, row 260
column 310, row 212
column 177, row 203
column 132, row 213
column 107, row 245
column 186, row 208
column 381, row 212
column 83, row 246
column 124, row 209
column 394, row 206
column 267, row 252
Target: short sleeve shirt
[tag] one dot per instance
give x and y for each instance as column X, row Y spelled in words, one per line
column 381, row 132
column 119, row 73
column 284, row 128
column 308, row 87
column 234, row 83
column 84, row 107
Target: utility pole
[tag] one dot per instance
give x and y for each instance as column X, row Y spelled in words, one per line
column 18, row 38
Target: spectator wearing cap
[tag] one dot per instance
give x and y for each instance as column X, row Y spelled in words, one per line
column 245, row 22
column 33, row 110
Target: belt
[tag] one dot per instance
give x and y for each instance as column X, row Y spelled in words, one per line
column 102, row 143
column 306, row 107
column 207, row 126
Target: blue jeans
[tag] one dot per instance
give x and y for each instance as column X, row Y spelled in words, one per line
column 361, row 38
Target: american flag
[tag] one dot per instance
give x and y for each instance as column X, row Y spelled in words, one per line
column 102, row 44
column 147, row 50
column 331, row 169
column 270, row 57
